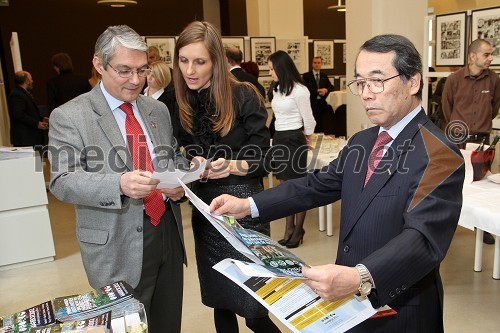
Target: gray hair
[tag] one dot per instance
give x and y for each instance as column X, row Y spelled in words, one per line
column 113, row 36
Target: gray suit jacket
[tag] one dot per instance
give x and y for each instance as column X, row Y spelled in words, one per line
column 88, row 155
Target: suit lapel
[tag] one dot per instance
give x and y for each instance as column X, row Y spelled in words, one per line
column 378, row 180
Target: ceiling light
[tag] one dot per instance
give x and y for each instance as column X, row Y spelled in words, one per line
column 340, row 7
column 117, row 3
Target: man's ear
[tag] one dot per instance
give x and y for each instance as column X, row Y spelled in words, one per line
column 415, row 83
column 97, row 65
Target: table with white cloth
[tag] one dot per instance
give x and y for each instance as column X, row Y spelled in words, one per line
column 481, row 210
column 324, row 149
column 336, row 99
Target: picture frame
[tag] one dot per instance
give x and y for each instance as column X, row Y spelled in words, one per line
column 166, row 46
column 486, row 25
column 265, row 81
column 451, row 39
column 324, row 49
column 238, row 42
column 343, row 83
column 261, row 49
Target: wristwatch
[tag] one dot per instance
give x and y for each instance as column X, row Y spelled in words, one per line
column 365, row 286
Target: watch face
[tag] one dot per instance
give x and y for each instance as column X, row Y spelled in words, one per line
column 365, row 288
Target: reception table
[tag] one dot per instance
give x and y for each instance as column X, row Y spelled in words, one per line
column 336, row 99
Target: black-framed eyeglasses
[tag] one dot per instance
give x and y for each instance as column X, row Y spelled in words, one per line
column 375, row 85
column 127, row 74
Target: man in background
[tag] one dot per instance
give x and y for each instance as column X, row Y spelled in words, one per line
column 319, row 87
column 153, row 54
column 235, row 57
column 67, row 84
column 26, row 123
column 102, row 148
column 471, row 96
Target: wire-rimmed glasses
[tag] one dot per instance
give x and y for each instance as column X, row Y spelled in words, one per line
column 128, row 73
column 375, row 85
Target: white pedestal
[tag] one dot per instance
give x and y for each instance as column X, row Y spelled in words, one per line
column 25, row 232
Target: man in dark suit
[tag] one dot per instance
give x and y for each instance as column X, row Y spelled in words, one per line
column 398, row 214
column 319, row 87
column 26, row 123
column 235, row 57
column 101, row 147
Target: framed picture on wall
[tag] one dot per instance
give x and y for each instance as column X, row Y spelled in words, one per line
column 262, row 48
column 266, row 81
column 343, row 83
column 166, row 46
column 486, row 25
column 451, row 39
column 324, row 49
column 238, row 42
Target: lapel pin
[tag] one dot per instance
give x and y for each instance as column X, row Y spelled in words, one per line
column 153, row 124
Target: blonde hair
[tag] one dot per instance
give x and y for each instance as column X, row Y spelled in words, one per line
column 161, row 72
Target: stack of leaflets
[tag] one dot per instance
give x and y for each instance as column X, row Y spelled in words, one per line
column 96, row 308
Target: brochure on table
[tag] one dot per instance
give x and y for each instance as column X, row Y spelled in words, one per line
column 259, row 248
column 295, row 304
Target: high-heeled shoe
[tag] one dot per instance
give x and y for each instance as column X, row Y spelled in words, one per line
column 292, row 245
column 284, row 241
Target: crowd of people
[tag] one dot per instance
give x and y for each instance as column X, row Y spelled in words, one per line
column 210, row 106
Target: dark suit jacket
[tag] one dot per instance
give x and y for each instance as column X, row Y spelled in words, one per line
column 310, row 83
column 243, row 76
column 64, row 87
column 24, row 117
column 401, row 247
column 106, row 220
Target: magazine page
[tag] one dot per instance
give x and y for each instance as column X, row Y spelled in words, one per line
column 258, row 247
column 296, row 305
column 102, row 320
column 168, row 178
column 78, row 307
column 38, row 315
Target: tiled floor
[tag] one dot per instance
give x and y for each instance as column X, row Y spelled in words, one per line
column 472, row 300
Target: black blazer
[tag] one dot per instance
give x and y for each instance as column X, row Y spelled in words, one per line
column 243, row 76
column 310, row 83
column 24, row 117
column 402, row 246
column 64, row 87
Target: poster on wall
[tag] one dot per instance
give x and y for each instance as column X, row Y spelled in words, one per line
column 262, row 48
column 266, row 81
column 324, row 49
column 450, row 39
column 238, row 42
column 486, row 25
column 166, row 46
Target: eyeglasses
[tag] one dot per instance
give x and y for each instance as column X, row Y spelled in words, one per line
column 127, row 74
column 376, row 86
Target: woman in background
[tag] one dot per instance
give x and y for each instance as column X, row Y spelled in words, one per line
column 158, row 80
column 225, row 120
column 294, row 123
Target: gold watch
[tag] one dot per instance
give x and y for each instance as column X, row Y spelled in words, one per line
column 365, row 286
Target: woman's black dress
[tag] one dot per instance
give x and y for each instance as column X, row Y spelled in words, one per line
column 248, row 139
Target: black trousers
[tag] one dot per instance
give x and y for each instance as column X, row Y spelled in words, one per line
column 161, row 284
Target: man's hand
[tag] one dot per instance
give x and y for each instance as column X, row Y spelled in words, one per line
column 332, row 282
column 173, row 194
column 229, row 205
column 43, row 126
column 137, row 184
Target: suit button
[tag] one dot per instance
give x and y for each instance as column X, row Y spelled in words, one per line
column 346, row 248
column 398, row 291
column 403, row 287
column 139, row 229
column 391, row 294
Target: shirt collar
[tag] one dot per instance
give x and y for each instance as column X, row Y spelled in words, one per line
column 400, row 125
column 113, row 102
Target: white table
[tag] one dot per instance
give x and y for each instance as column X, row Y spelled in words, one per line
column 325, row 149
column 336, row 99
column 481, row 210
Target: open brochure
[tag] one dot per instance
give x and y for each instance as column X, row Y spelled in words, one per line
column 168, row 178
column 259, row 248
column 295, row 304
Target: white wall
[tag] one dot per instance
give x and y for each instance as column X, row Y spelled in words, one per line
column 280, row 18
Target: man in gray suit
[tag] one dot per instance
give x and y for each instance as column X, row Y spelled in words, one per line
column 122, row 232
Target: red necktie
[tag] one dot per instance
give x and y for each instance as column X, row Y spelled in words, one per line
column 377, row 153
column 138, row 146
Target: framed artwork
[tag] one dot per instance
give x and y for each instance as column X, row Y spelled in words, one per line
column 262, row 48
column 238, row 42
column 331, row 79
column 266, row 81
column 486, row 25
column 166, row 46
column 451, row 38
column 324, row 49
column 343, row 83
